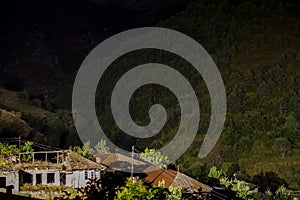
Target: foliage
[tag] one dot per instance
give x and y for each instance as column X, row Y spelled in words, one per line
column 17, row 114
column 154, row 157
column 262, row 85
column 7, row 150
column 112, row 185
column 282, row 193
column 27, row 147
column 101, row 147
column 4, row 163
column 241, row 189
column 268, row 181
column 282, row 147
column 85, row 151
column 137, row 190
column 133, row 190
column 104, row 188
column 215, row 173
column 40, row 187
column 37, row 102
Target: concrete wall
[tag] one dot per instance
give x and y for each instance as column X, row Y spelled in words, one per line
column 12, row 178
column 44, row 176
column 75, row 179
column 78, row 179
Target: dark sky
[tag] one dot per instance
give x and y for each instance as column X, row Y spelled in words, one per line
column 42, row 42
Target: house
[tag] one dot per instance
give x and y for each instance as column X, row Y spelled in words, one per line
column 57, row 168
column 171, row 178
column 121, row 162
column 150, row 174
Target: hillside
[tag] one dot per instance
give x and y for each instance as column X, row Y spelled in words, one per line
column 12, row 126
column 28, row 119
column 255, row 45
column 257, row 51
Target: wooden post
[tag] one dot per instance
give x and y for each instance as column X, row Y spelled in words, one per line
column 132, row 151
column 63, row 157
column 19, row 149
column 46, row 157
column 57, row 158
column 32, row 154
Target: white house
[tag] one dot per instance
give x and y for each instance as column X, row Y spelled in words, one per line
column 64, row 168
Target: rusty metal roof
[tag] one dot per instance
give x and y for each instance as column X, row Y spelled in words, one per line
column 121, row 162
column 172, row 179
column 108, row 158
column 154, row 175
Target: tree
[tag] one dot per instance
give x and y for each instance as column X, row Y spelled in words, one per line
column 154, row 157
column 7, row 150
column 268, row 181
column 282, row 193
column 215, row 173
column 85, row 151
column 242, row 189
column 101, row 147
column 113, row 186
column 27, row 147
column 137, row 190
column 282, row 147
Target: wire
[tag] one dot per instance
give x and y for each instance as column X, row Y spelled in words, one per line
column 42, row 146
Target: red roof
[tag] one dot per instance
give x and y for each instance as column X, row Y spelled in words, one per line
column 154, row 175
column 172, row 178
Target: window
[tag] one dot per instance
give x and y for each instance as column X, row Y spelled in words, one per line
column 86, row 175
column 2, row 182
column 62, row 178
column 27, row 178
column 92, row 175
column 50, row 178
column 38, row 178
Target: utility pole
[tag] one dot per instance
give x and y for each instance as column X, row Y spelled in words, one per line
column 132, row 152
column 19, row 148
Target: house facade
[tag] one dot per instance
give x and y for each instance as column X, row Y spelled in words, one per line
column 65, row 168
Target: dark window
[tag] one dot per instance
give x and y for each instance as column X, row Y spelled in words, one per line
column 62, row 178
column 38, row 178
column 50, row 178
column 86, row 175
column 2, row 182
column 27, row 178
column 92, row 175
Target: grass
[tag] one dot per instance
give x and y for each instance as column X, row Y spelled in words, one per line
column 13, row 123
column 12, row 101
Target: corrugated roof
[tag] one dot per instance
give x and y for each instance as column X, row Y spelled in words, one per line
column 154, row 175
column 108, row 158
column 75, row 161
column 172, row 179
column 120, row 162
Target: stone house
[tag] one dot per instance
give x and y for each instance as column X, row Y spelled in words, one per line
column 59, row 168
